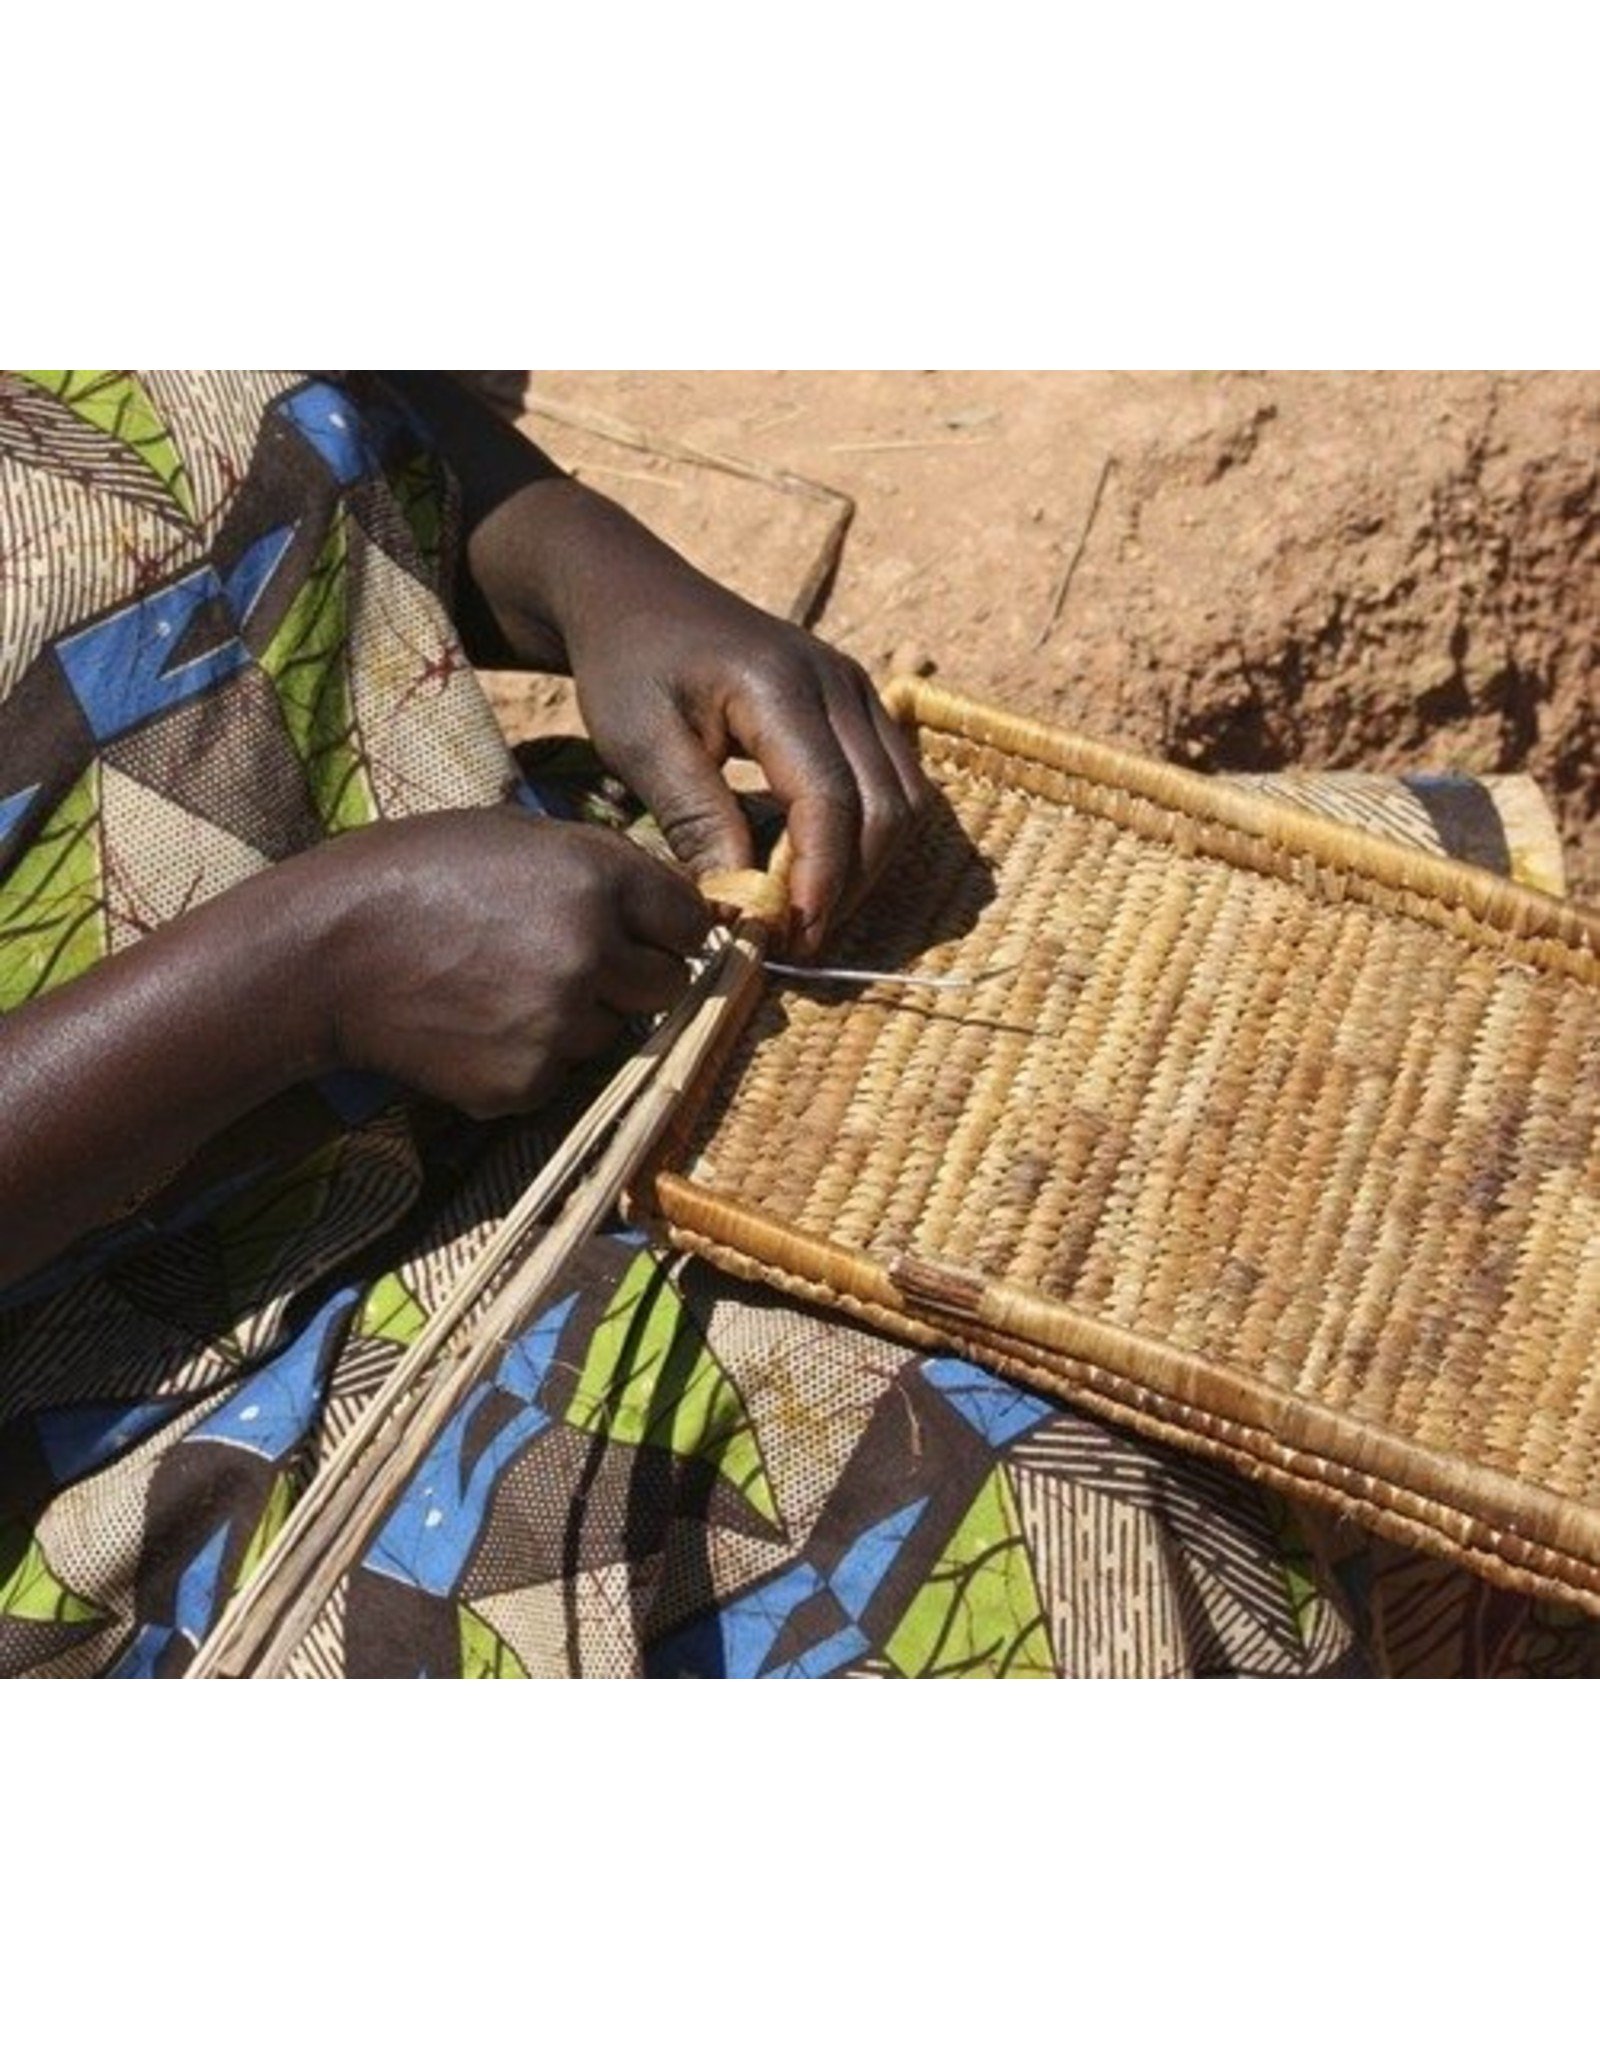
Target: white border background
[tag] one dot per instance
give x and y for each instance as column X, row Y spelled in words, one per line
column 817, row 186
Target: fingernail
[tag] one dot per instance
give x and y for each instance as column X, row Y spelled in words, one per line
column 811, row 934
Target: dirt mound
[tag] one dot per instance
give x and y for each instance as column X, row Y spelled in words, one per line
column 1265, row 569
column 1360, row 573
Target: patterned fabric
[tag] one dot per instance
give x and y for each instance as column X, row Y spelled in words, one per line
column 223, row 615
column 221, row 640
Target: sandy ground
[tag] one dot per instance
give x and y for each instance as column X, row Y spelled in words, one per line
column 1331, row 570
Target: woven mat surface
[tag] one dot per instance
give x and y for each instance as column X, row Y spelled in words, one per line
column 1312, row 1130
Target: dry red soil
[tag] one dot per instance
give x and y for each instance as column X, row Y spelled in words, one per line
column 1323, row 570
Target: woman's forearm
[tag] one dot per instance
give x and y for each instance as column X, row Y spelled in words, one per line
column 111, row 1083
column 493, row 465
column 543, row 553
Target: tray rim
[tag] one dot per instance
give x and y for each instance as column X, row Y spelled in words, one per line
column 1510, row 1530
column 1513, row 909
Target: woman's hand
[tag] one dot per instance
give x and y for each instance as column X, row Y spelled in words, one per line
column 675, row 673
column 476, row 955
column 480, row 955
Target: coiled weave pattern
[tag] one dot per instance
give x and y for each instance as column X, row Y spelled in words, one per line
column 1277, row 1141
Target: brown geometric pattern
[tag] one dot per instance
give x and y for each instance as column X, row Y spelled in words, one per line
column 228, row 758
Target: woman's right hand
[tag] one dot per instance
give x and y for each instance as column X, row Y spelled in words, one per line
column 475, row 955
column 480, row 955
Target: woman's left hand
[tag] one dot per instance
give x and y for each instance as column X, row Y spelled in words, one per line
column 675, row 674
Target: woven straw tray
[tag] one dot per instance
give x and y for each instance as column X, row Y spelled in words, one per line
column 1277, row 1142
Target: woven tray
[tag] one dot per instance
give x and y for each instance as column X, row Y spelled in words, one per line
column 1280, row 1142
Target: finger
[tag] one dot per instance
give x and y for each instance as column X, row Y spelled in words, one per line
column 793, row 740
column 661, row 909
column 902, row 751
column 684, row 791
column 640, row 980
column 885, row 813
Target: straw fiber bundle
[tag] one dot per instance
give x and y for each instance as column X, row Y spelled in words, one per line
column 1278, row 1142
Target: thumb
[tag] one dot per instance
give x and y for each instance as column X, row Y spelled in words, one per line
column 685, row 793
